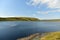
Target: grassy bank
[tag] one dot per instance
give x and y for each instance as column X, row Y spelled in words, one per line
column 51, row 36
column 46, row 36
column 19, row 19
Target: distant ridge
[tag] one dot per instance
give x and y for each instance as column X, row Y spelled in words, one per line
column 51, row 20
column 19, row 19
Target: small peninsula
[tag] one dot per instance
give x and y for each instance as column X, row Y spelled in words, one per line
column 19, row 19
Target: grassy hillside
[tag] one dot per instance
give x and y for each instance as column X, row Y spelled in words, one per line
column 19, row 19
column 51, row 36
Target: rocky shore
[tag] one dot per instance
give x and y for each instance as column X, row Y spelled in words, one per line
column 44, row 36
column 31, row 37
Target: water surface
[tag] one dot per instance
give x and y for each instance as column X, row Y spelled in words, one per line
column 11, row 30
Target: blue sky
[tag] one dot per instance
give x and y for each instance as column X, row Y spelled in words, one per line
column 43, row 9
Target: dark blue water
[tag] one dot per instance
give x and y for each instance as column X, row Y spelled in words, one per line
column 11, row 30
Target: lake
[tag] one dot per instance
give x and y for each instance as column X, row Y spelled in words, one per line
column 11, row 30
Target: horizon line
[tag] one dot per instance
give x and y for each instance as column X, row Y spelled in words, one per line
column 31, row 17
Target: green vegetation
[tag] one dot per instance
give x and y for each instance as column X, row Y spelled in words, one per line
column 26, row 19
column 51, row 20
column 19, row 19
column 51, row 36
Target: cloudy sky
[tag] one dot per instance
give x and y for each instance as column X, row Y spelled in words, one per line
column 44, row 9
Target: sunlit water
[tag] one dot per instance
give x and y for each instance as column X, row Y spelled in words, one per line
column 11, row 30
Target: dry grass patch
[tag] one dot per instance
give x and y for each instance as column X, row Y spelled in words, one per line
column 51, row 36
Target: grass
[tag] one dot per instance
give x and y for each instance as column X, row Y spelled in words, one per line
column 19, row 19
column 51, row 36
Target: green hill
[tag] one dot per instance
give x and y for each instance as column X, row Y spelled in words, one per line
column 19, row 19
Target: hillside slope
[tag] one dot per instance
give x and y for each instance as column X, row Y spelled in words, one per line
column 19, row 19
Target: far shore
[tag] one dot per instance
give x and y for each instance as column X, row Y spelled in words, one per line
column 27, row 19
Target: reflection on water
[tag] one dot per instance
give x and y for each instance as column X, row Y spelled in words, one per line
column 10, row 30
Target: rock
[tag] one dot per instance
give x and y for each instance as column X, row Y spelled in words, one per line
column 31, row 37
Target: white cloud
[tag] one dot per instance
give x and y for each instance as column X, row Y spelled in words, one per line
column 53, row 4
column 54, row 10
column 42, row 12
column 33, row 2
column 50, row 3
column 46, row 12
